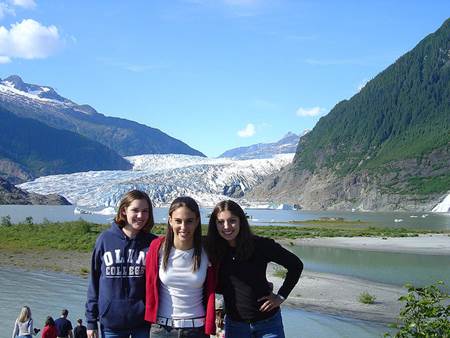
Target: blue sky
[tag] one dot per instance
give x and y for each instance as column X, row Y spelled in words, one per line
column 216, row 74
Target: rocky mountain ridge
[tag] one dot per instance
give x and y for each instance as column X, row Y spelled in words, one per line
column 126, row 137
column 286, row 145
column 9, row 194
column 386, row 148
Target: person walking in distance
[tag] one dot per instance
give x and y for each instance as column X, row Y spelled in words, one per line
column 80, row 331
column 63, row 325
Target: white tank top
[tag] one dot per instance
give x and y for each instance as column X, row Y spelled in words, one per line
column 181, row 289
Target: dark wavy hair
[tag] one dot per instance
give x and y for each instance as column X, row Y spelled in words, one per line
column 125, row 202
column 191, row 204
column 217, row 246
column 49, row 321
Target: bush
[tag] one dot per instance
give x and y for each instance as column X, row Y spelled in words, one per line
column 6, row 221
column 367, row 298
column 29, row 220
column 426, row 313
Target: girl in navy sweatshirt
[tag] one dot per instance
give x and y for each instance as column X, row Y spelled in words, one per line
column 116, row 292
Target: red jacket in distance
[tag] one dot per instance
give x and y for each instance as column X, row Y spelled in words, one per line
column 48, row 332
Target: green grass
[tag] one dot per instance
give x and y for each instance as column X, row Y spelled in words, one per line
column 280, row 272
column 81, row 235
column 366, row 298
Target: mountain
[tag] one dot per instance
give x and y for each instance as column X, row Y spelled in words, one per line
column 9, row 194
column 387, row 148
column 163, row 177
column 288, row 144
column 126, row 137
column 29, row 148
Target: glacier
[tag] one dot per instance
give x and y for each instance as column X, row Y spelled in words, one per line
column 163, row 177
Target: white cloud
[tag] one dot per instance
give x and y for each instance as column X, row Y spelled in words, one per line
column 29, row 40
column 28, row 4
column 248, row 131
column 4, row 59
column 5, row 10
column 314, row 111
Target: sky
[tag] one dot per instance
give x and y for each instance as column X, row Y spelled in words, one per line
column 216, row 74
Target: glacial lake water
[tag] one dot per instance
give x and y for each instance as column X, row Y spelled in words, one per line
column 384, row 267
column 419, row 220
column 47, row 293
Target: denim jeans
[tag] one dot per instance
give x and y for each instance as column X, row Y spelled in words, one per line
column 141, row 332
column 159, row 331
column 267, row 328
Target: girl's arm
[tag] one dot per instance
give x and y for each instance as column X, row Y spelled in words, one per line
column 294, row 266
column 93, row 291
column 276, row 253
column 15, row 330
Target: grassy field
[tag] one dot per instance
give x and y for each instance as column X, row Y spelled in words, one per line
column 80, row 235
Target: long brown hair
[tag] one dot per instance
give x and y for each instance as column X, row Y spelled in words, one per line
column 217, row 246
column 127, row 199
column 191, row 204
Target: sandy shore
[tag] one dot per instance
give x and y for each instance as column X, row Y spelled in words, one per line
column 338, row 295
column 320, row 292
column 429, row 244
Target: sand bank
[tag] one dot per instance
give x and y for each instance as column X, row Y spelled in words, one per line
column 429, row 244
column 339, row 295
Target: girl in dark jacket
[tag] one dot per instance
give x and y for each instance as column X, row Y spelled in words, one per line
column 251, row 308
column 116, row 293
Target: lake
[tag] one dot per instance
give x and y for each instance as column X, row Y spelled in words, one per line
column 47, row 293
column 432, row 221
column 384, row 267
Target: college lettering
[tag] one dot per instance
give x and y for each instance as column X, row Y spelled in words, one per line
column 129, row 271
column 115, row 263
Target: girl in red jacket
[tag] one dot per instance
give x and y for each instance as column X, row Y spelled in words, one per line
column 49, row 330
column 179, row 279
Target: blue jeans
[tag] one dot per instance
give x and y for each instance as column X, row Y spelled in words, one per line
column 141, row 332
column 267, row 328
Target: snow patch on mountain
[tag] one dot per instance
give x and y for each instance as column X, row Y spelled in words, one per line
column 13, row 89
column 444, row 206
column 163, row 177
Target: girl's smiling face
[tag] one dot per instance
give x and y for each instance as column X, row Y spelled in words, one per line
column 183, row 222
column 137, row 214
column 228, row 226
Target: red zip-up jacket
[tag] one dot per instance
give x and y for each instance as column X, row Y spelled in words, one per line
column 152, row 283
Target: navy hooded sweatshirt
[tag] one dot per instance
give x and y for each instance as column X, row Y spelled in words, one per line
column 116, row 292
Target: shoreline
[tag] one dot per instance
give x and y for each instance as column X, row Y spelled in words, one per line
column 337, row 295
column 423, row 244
column 324, row 293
